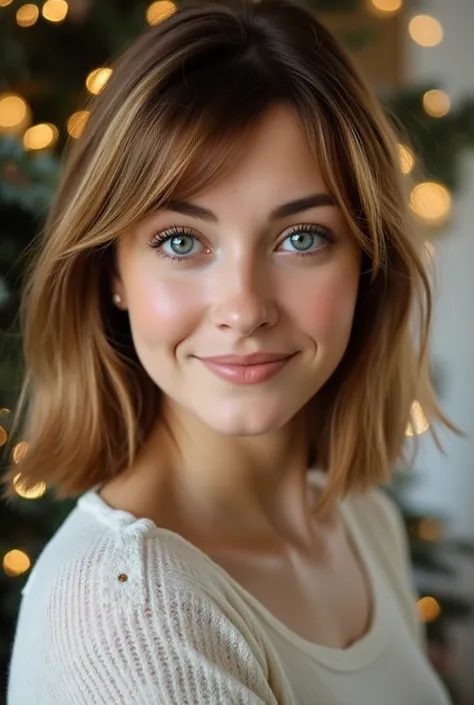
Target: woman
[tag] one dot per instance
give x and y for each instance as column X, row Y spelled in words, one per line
column 221, row 302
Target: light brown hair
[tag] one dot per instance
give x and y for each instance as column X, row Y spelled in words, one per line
column 178, row 103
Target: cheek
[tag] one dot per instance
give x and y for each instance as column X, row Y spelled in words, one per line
column 161, row 310
column 326, row 306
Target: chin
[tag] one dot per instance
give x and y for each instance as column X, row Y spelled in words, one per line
column 244, row 421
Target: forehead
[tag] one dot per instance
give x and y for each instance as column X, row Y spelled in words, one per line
column 271, row 159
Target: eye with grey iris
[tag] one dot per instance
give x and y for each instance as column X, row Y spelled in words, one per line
column 181, row 244
column 302, row 241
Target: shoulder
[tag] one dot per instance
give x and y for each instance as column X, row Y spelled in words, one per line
column 374, row 513
column 126, row 562
column 142, row 613
column 380, row 524
column 379, row 518
column 376, row 519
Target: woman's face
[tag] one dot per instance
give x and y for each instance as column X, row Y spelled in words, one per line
column 238, row 272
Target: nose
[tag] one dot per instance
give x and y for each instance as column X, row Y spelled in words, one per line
column 243, row 300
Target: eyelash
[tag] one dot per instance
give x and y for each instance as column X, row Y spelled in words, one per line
column 178, row 231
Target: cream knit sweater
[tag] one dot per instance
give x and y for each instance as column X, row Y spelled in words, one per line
column 120, row 612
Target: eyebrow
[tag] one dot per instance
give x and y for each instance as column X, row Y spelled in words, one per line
column 315, row 200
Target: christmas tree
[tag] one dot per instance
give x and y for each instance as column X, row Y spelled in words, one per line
column 53, row 56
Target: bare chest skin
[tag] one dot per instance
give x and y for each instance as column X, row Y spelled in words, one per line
column 326, row 601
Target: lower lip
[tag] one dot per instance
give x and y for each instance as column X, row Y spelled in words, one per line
column 246, row 374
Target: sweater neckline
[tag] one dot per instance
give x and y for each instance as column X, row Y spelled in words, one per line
column 354, row 657
column 366, row 649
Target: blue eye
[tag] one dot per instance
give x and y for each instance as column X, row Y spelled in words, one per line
column 175, row 243
column 181, row 244
column 306, row 239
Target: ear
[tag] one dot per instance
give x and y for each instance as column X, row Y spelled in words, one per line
column 116, row 284
column 117, row 293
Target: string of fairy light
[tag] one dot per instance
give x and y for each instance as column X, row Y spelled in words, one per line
column 430, row 201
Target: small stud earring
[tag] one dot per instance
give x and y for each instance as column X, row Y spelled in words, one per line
column 117, row 299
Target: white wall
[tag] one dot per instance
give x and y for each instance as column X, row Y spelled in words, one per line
column 447, row 483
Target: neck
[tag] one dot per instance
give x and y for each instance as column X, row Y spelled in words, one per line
column 244, row 490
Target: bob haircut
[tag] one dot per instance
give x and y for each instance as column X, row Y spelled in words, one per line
column 180, row 101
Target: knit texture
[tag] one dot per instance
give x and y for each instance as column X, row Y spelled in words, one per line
column 118, row 611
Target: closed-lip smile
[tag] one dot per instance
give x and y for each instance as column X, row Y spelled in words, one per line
column 259, row 358
column 247, row 369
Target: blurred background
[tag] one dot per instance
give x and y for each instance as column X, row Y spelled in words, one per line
column 420, row 58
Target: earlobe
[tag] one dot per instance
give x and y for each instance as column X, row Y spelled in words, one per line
column 116, row 290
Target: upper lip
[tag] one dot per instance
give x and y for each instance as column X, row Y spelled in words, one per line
column 259, row 358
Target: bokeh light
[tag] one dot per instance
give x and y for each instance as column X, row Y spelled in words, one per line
column 419, row 423
column 40, row 136
column 436, row 103
column 19, row 451
column 55, row 10
column 159, row 11
column 27, row 15
column 407, row 158
column 35, row 492
column 77, row 122
column 425, row 30
column 429, row 609
column 15, row 563
column 432, row 202
column 385, row 7
column 96, row 80
column 14, row 112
